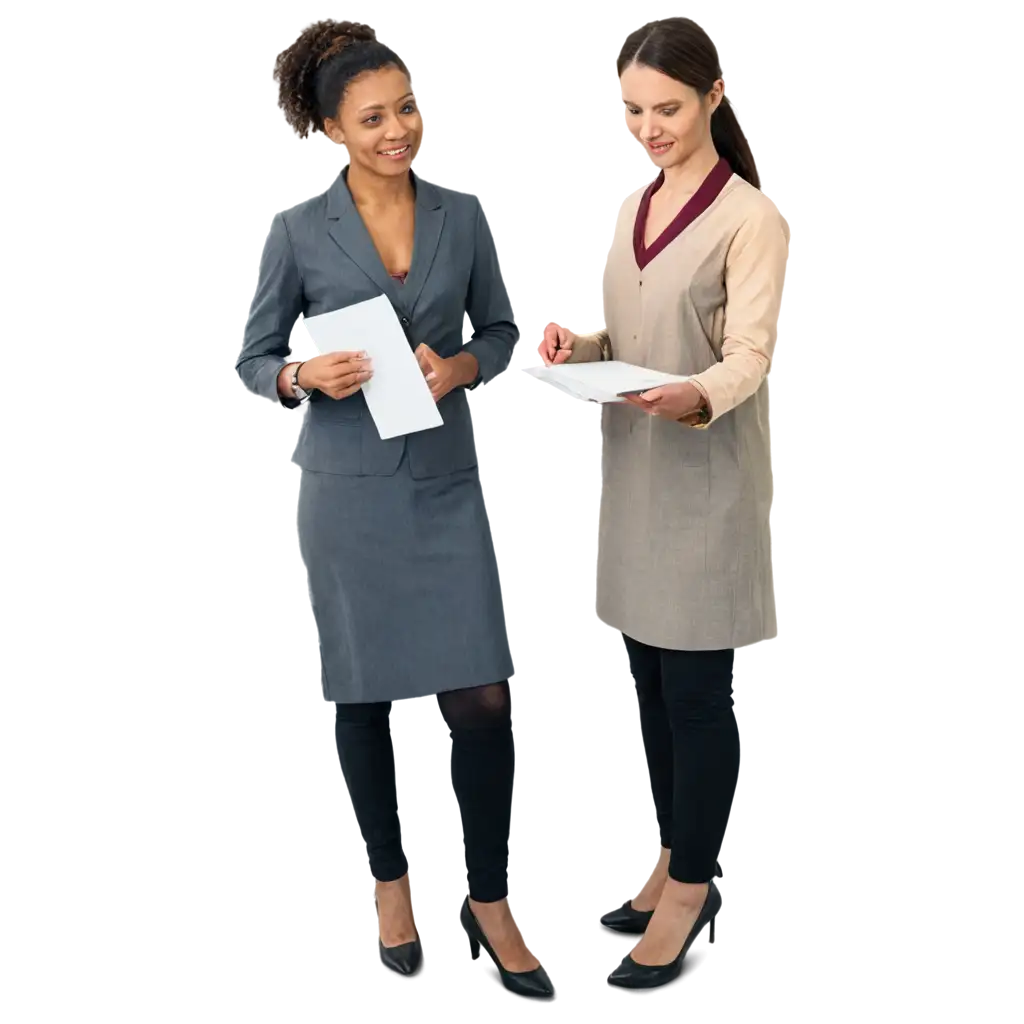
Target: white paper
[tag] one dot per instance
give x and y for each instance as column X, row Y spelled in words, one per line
column 397, row 395
column 603, row 382
column 537, row 373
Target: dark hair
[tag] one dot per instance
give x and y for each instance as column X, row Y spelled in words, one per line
column 315, row 70
column 681, row 49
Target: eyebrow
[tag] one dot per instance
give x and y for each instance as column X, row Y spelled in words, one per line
column 663, row 103
column 380, row 106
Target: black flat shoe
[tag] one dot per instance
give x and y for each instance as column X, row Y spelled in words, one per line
column 626, row 919
column 630, row 974
column 525, row 983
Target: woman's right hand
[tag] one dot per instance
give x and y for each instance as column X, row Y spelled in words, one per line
column 337, row 374
column 557, row 345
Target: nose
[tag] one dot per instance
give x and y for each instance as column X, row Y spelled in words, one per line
column 648, row 130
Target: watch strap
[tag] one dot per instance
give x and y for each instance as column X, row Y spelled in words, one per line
column 300, row 392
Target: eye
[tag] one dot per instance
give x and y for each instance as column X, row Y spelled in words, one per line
column 372, row 119
column 670, row 111
column 409, row 108
column 634, row 111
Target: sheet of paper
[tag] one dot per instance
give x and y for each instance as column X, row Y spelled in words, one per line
column 591, row 384
column 537, row 373
column 608, row 381
column 397, row 395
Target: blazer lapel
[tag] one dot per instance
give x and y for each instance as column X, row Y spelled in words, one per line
column 427, row 235
column 346, row 227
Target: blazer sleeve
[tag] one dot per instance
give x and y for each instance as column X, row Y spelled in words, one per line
column 275, row 308
column 494, row 330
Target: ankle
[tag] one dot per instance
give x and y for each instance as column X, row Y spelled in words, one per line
column 495, row 909
column 684, row 895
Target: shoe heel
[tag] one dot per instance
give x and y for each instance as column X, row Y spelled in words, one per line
column 474, row 948
column 712, row 929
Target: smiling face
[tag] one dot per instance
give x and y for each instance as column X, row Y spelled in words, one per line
column 672, row 121
column 379, row 122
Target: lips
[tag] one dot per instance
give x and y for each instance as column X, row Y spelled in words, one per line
column 397, row 153
column 657, row 148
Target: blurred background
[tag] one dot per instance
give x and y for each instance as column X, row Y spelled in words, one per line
column 157, row 685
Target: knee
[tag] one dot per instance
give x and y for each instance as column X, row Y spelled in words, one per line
column 357, row 716
column 695, row 704
column 480, row 708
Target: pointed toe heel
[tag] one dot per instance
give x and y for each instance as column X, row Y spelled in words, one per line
column 630, row 974
column 404, row 959
column 627, row 920
column 535, row 984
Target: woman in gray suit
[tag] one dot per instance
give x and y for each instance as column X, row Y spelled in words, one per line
column 394, row 534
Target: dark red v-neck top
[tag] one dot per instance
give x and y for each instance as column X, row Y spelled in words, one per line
column 705, row 195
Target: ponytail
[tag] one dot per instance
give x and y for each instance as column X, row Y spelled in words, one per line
column 731, row 143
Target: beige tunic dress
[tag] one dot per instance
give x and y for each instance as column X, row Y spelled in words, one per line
column 684, row 558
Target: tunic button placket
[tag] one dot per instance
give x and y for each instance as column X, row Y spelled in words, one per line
column 640, row 319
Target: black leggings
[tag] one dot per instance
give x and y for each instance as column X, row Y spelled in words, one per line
column 483, row 762
column 693, row 750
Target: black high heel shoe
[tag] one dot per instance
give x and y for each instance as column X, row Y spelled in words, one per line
column 524, row 983
column 623, row 922
column 630, row 974
column 404, row 959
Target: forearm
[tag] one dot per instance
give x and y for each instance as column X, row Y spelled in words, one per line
column 262, row 374
column 490, row 350
column 732, row 381
column 591, row 348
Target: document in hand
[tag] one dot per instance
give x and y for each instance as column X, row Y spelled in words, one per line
column 397, row 394
column 602, row 382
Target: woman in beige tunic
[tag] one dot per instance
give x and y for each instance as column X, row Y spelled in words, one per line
column 692, row 286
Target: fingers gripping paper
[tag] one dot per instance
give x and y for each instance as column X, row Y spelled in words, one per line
column 397, row 394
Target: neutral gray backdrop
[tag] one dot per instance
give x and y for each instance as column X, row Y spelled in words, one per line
column 173, row 844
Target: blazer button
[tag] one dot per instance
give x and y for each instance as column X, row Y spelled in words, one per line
column 405, row 321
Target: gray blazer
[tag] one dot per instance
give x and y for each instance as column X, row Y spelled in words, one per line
column 319, row 257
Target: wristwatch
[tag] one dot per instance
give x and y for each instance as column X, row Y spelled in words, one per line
column 300, row 393
column 701, row 416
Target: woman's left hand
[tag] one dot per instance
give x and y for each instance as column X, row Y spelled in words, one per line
column 672, row 401
column 444, row 375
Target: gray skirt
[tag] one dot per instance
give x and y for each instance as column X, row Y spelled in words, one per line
column 404, row 584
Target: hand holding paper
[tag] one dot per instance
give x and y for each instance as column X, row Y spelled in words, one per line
column 672, row 401
column 397, row 396
column 337, row 374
